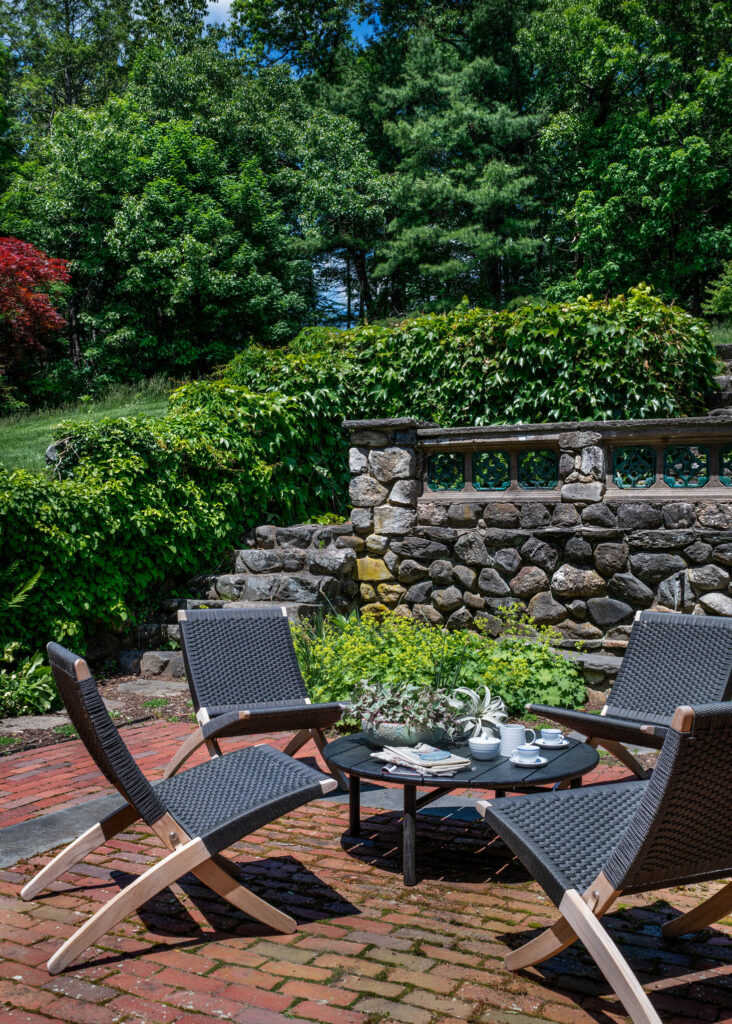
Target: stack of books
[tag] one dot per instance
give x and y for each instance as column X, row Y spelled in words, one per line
column 422, row 759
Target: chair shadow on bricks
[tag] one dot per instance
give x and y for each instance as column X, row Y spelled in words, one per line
column 671, row 969
column 203, row 917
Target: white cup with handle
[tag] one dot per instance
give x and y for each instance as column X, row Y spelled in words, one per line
column 513, row 736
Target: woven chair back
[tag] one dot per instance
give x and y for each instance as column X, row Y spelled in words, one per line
column 240, row 658
column 100, row 735
column 681, row 831
column 672, row 660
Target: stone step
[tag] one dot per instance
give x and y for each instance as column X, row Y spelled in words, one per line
column 724, row 350
column 282, row 588
column 724, row 382
column 721, row 400
column 329, row 560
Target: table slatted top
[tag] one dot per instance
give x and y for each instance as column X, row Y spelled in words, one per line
column 352, row 755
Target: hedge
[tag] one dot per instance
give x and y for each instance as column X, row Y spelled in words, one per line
column 140, row 505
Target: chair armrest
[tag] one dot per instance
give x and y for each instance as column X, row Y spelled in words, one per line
column 249, row 721
column 595, row 726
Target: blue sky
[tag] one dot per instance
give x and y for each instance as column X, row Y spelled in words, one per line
column 218, row 10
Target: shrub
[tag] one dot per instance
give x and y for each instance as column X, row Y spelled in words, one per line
column 139, row 504
column 627, row 357
column 335, row 654
column 28, row 687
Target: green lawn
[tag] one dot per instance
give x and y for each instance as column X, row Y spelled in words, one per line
column 721, row 334
column 25, row 437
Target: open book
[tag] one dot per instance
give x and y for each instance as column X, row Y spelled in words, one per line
column 423, row 758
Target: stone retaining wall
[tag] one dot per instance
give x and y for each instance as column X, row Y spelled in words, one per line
column 583, row 549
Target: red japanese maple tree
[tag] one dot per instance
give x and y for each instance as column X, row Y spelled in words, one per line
column 28, row 317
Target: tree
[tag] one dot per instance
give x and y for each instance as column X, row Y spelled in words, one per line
column 29, row 288
column 307, row 35
column 465, row 210
column 181, row 251
column 344, row 205
column 68, row 52
column 635, row 166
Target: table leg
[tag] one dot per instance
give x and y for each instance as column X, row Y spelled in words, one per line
column 354, row 805
column 575, row 783
column 409, row 830
column 500, row 793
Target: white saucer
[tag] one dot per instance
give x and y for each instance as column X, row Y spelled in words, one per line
column 551, row 746
column 528, row 764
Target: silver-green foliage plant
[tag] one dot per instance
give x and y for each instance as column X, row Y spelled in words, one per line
column 404, row 703
column 475, row 712
column 520, row 666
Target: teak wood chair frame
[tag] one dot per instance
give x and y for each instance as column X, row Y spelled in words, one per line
column 245, row 679
column 672, row 830
column 276, row 782
column 671, row 659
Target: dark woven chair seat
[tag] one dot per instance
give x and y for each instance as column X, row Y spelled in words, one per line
column 671, row 660
column 195, row 815
column 565, row 837
column 586, row 847
column 210, row 801
column 245, row 680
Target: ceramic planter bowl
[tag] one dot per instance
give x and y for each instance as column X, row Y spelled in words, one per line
column 392, row 734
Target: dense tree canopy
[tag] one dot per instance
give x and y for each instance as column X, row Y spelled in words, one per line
column 209, row 185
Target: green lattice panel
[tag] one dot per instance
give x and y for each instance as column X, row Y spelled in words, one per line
column 686, row 465
column 725, row 465
column 446, row 471
column 634, row 466
column 491, row 471
column 538, row 469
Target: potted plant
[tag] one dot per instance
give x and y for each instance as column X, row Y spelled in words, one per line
column 477, row 714
column 402, row 714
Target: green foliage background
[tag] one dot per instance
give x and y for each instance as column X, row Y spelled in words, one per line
column 354, row 160
column 137, row 505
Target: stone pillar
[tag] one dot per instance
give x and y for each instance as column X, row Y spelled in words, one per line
column 581, row 466
column 385, row 485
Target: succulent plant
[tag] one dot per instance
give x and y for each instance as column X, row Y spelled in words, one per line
column 474, row 713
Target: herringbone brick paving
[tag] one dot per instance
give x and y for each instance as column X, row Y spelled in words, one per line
column 367, row 949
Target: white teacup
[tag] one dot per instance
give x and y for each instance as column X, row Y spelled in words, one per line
column 513, row 736
column 527, row 752
column 484, row 748
column 552, row 735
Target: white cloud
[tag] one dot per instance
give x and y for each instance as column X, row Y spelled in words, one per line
column 218, row 10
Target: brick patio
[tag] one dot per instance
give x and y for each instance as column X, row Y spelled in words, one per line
column 367, row 950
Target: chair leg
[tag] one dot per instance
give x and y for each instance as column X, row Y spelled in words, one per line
column 186, row 749
column 320, row 743
column 621, row 753
column 164, row 873
column 608, row 958
column 709, row 912
column 297, row 741
column 561, row 934
column 110, row 826
column 222, row 879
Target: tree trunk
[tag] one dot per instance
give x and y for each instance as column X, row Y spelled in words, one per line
column 348, row 292
column 74, row 336
column 364, row 286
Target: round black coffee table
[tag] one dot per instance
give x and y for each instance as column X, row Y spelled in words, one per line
column 352, row 755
